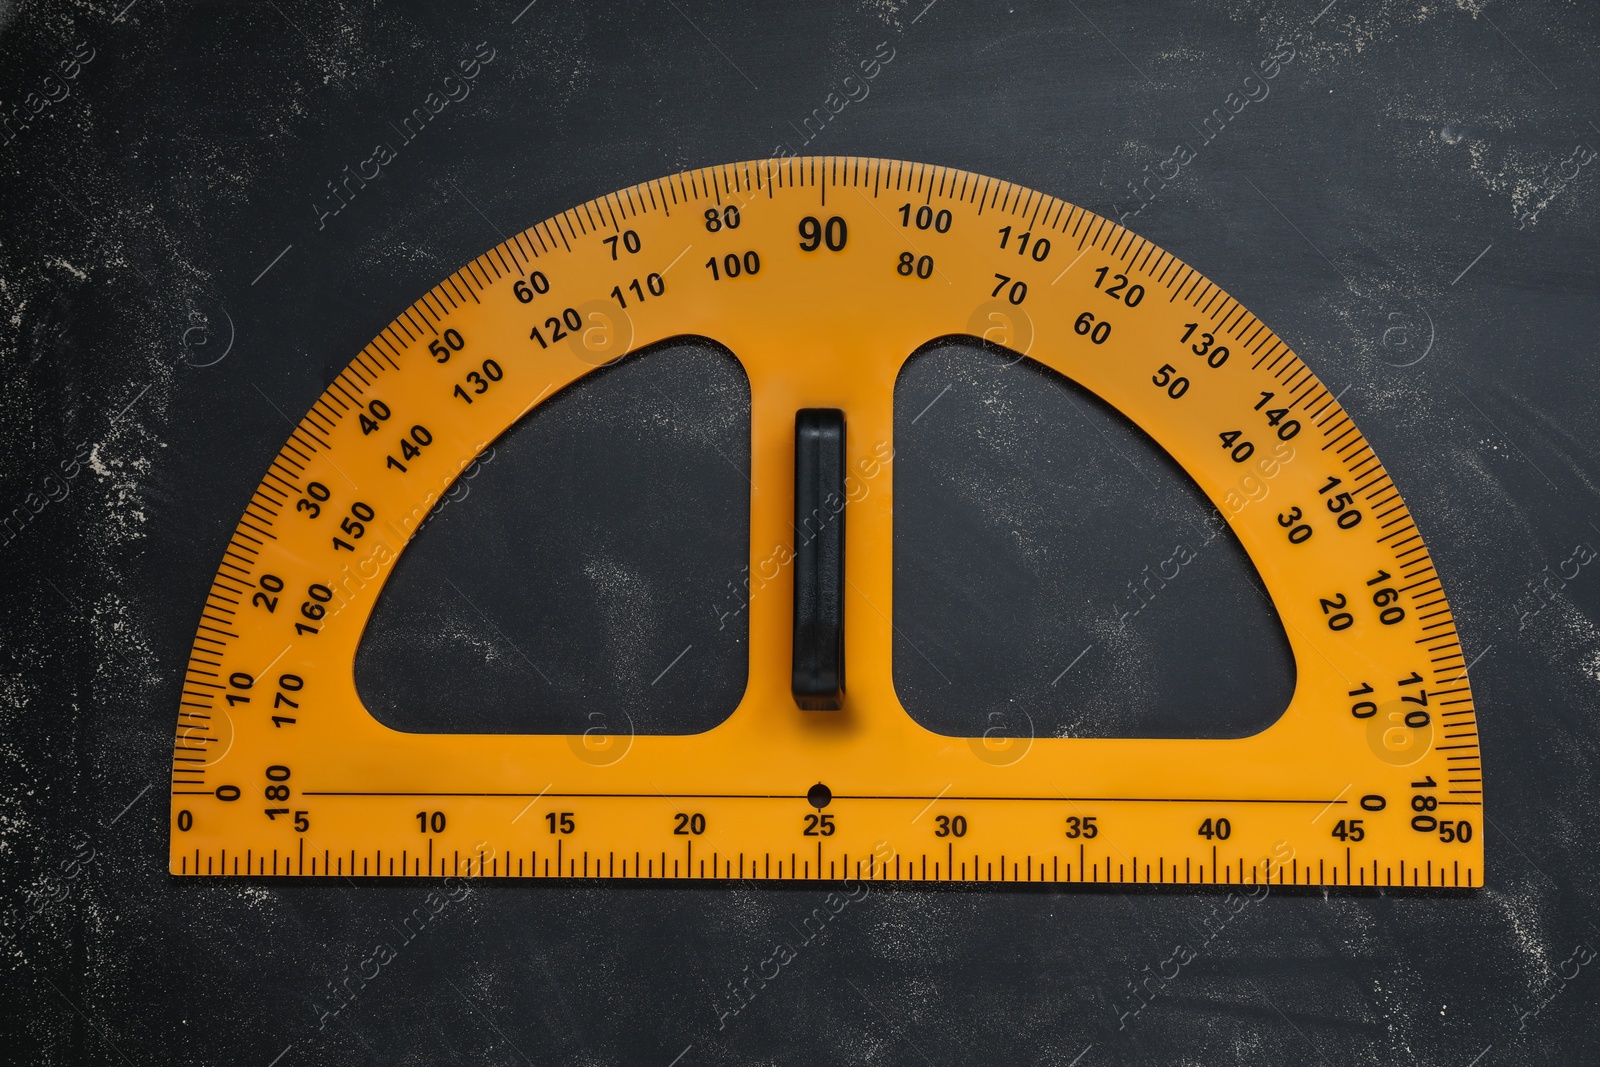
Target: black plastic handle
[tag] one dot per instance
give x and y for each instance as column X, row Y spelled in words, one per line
column 819, row 505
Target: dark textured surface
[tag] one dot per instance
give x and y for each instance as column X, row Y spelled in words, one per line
column 593, row 536
column 1032, row 525
column 1405, row 208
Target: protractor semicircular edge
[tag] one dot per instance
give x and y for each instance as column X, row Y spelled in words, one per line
column 822, row 276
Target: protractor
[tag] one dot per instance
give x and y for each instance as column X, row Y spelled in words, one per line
column 822, row 276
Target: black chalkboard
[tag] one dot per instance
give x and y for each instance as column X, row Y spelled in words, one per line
column 1409, row 199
